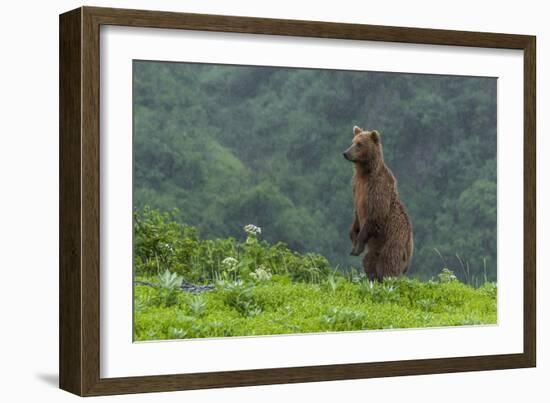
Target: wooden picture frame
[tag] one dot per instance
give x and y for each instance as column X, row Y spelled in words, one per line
column 79, row 318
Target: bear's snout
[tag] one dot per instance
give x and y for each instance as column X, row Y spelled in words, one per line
column 347, row 154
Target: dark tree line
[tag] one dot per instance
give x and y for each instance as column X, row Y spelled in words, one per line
column 235, row 145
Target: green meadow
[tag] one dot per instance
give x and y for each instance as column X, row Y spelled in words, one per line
column 190, row 287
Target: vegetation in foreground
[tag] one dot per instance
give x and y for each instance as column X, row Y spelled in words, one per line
column 187, row 287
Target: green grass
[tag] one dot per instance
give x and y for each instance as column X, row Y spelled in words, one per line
column 263, row 289
column 279, row 306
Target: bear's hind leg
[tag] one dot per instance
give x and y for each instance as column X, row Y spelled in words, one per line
column 391, row 262
column 370, row 263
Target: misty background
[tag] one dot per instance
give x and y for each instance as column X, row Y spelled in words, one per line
column 236, row 145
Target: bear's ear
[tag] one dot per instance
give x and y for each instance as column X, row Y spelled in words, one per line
column 356, row 130
column 375, row 136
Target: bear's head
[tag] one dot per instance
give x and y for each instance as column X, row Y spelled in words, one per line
column 365, row 149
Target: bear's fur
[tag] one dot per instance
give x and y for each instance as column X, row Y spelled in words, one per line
column 380, row 221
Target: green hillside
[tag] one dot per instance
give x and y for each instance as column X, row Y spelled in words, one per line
column 233, row 145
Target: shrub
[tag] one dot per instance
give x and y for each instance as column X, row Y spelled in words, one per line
column 161, row 243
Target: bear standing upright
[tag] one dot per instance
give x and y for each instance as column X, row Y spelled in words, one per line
column 380, row 220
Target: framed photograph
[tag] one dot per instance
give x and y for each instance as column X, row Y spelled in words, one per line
column 248, row 201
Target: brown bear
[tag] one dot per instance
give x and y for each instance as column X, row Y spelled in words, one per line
column 380, row 221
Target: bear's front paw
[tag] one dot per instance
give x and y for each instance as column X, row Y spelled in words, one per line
column 356, row 251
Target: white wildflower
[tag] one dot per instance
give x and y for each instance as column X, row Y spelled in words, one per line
column 229, row 263
column 446, row 276
column 167, row 246
column 251, row 229
column 261, row 274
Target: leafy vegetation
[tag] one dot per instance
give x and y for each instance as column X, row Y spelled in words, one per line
column 262, row 289
column 233, row 145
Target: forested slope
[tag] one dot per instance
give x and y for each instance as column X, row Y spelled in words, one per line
column 232, row 145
